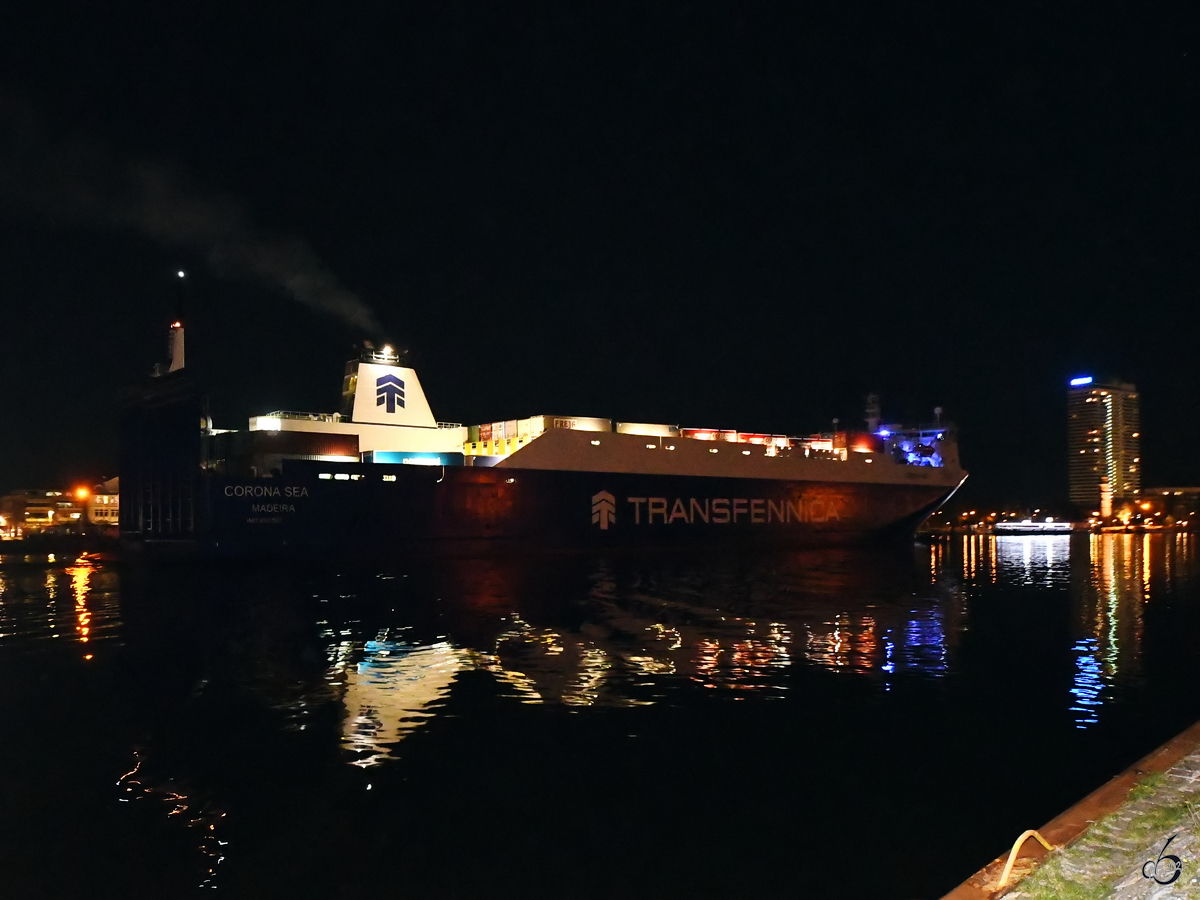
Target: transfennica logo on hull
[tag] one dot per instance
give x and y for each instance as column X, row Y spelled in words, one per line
column 390, row 390
column 717, row 510
column 604, row 509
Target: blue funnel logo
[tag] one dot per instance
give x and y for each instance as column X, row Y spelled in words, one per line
column 390, row 390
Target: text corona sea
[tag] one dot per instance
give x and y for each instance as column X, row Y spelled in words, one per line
column 265, row 490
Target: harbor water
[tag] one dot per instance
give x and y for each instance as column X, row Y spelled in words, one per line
column 835, row 723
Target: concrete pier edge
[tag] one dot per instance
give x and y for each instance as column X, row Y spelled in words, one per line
column 1068, row 826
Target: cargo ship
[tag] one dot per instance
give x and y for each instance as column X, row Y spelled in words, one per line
column 382, row 473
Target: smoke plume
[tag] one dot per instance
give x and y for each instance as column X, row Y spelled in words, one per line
column 84, row 183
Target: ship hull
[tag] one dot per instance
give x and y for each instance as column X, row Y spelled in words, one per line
column 348, row 507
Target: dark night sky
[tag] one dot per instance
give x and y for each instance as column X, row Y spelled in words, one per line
column 730, row 215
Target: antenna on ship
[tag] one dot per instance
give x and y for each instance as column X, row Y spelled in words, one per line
column 872, row 413
column 937, row 416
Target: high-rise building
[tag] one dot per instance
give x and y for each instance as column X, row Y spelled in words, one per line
column 1104, row 439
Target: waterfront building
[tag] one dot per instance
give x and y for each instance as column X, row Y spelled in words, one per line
column 1176, row 505
column 104, row 504
column 1104, row 440
column 30, row 512
column 33, row 511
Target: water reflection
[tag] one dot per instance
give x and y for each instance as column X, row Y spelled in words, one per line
column 629, row 632
column 1013, row 559
column 80, row 574
column 1108, row 579
column 622, row 633
column 924, row 645
column 251, row 684
column 1088, row 683
column 1043, row 560
column 388, row 687
column 545, row 665
column 178, row 803
column 43, row 598
column 1110, row 586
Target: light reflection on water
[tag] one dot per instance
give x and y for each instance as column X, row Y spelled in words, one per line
column 178, row 803
column 1109, row 592
column 390, row 690
column 1108, row 579
column 641, row 632
column 743, row 633
column 1088, row 684
column 368, row 661
column 43, row 598
column 1043, row 560
column 1030, row 560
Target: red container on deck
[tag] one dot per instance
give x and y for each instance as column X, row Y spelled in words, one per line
column 862, row 442
column 709, row 434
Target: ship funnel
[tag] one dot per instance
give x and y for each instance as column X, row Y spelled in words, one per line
column 175, row 347
column 379, row 389
column 872, row 413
